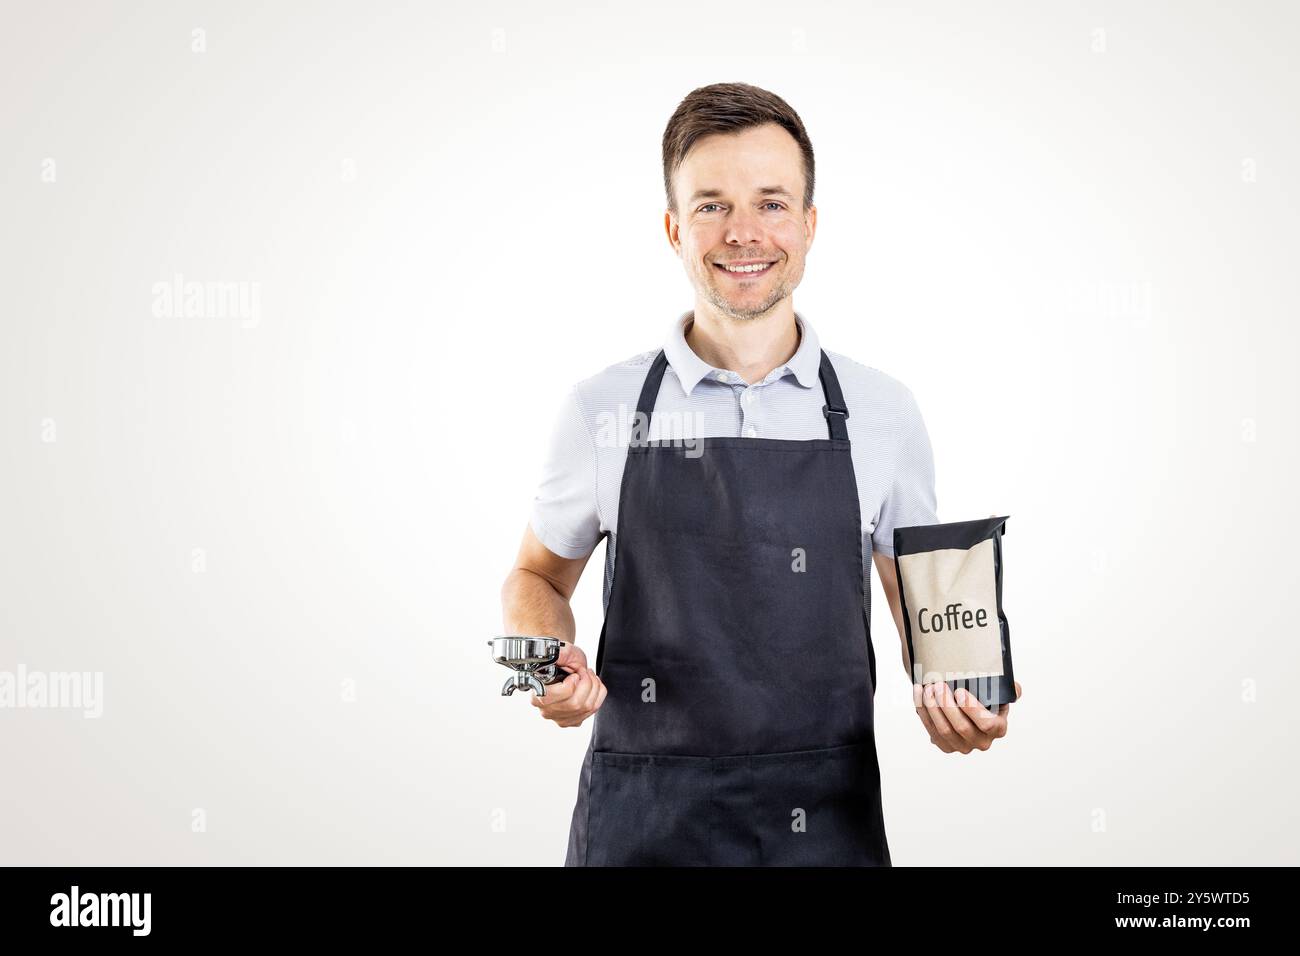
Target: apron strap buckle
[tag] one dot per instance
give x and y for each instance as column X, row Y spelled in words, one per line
column 838, row 430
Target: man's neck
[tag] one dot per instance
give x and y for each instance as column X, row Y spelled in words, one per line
column 751, row 348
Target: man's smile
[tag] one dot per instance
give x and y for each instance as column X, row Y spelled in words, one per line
column 745, row 269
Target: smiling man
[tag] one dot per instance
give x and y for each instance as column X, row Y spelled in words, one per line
column 735, row 676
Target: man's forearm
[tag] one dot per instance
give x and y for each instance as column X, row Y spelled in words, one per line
column 896, row 608
column 889, row 584
column 531, row 605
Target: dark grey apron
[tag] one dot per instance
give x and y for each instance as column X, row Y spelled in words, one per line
column 736, row 649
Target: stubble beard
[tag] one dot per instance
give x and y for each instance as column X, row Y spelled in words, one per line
column 719, row 301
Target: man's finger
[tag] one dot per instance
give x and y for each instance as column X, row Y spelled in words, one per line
column 984, row 719
column 934, row 708
column 583, row 704
column 1003, row 711
column 591, row 692
column 558, row 692
column 961, row 724
column 918, row 695
column 571, row 657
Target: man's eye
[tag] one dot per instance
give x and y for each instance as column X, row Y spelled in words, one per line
column 773, row 202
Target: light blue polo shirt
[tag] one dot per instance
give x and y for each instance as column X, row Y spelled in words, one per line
column 577, row 498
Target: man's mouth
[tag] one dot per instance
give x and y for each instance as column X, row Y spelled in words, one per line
column 745, row 270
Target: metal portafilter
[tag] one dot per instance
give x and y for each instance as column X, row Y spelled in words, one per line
column 532, row 659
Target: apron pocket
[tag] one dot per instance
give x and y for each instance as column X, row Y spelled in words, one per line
column 649, row 810
column 819, row 807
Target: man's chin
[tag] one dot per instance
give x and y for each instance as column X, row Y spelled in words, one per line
column 741, row 311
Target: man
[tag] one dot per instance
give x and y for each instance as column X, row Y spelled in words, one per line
column 741, row 474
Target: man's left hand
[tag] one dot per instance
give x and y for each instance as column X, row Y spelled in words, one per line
column 959, row 723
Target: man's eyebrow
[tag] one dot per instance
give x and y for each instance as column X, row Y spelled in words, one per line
column 717, row 193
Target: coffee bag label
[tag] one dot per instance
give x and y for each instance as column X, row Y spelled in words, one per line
column 952, row 609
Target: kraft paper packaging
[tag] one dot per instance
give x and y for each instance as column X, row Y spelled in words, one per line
column 950, row 583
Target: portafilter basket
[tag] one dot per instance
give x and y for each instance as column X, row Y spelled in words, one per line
column 531, row 658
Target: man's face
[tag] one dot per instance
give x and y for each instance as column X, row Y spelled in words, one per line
column 740, row 199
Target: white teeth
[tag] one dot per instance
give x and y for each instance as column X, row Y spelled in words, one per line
column 758, row 268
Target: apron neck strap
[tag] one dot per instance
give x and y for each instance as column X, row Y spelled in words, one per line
column 645, row 405
column 835, row 410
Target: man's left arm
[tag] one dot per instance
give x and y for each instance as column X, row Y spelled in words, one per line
column 889, row 582
column 956, row 723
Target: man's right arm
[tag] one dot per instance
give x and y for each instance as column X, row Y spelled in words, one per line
column 535, row 602
column 561, row 535
column 536, row 593
column 562, row 532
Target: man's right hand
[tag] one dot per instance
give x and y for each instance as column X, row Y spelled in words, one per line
column 578, row 696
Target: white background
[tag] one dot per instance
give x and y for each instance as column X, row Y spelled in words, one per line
column 1077, row 248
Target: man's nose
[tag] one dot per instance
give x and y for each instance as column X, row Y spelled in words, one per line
column 744, row 225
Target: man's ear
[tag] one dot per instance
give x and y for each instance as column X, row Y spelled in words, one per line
column 672, row 229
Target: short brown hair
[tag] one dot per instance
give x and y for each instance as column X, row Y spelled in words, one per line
column 730, row 108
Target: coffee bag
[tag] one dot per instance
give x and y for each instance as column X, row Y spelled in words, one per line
column 950, row 583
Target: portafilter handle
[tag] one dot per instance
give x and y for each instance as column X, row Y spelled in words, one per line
column 535, row 681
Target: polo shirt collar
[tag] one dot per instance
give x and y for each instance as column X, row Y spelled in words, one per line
column 805, row 364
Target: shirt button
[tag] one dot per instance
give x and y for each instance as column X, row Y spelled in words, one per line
column 720, row 376
column 750, row 431
column 749, row 396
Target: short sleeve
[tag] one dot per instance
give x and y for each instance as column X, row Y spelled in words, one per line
column 911, row 497
column 564, row 515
